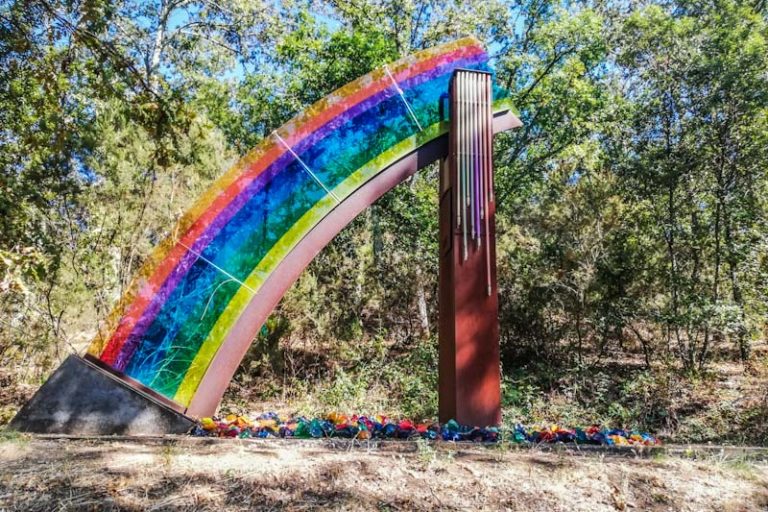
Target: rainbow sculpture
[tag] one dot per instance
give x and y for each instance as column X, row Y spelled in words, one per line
column 170, row 327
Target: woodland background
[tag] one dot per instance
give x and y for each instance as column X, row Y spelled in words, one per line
column 632, row 205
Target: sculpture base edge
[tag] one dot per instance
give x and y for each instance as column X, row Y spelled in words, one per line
column 80, row 398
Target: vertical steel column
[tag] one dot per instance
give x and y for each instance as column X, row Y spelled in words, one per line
column 470, row 374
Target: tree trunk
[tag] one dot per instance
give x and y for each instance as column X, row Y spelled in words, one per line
column 421, row 298
column 736, row 293
column 155, row 54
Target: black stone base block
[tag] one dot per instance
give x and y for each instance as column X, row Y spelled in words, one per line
column 81, row 398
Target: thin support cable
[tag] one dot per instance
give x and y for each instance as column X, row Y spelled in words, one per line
column 402, row 97
column 216, row 267
column 306, row 168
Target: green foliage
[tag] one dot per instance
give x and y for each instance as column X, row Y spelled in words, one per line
column 372, row 377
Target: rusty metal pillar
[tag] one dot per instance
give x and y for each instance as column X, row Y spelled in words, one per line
column 470, row 374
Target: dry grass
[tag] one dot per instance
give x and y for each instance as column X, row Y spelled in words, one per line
column 43, row 474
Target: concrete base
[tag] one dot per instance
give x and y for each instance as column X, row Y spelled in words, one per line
column 80, row 398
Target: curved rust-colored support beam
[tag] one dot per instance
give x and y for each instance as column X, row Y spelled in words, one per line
column 233, row 349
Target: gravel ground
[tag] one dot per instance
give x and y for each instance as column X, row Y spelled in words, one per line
column 199, row 474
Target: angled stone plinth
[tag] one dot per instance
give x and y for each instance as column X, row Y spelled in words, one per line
column 81, row 398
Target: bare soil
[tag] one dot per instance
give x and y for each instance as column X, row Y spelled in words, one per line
column 200, row 474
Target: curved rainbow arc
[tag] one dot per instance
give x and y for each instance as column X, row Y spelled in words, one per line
column 171, row 323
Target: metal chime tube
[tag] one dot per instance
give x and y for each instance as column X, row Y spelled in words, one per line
column 490, row 141
column 477, row 119
column 456, row 132
column 459, row 152
column 470, row 157
column 471, row 110
column 473, row 129
column 473, row 142
column 488, row 173
column 463, row 144
column 483, row 179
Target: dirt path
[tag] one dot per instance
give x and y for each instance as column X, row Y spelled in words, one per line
column 45, row 474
